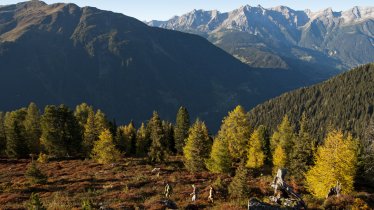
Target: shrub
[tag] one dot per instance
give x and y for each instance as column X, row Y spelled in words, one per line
column 43, row 158
column 35, row 203
column 35, row 175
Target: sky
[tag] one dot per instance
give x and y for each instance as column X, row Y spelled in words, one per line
column 165, row 9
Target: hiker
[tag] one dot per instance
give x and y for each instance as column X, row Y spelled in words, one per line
column 211, row 192
column 194, row 193
column 168, row 190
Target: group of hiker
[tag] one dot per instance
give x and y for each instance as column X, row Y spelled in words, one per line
column 169, row 190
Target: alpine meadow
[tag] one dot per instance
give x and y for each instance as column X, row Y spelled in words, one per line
column 216, row 108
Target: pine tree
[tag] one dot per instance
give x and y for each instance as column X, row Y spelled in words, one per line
column 16, row 145
column 182, row 126
column 238, row 187
column 157, row 150
column 35, row 175
column 336, row 161
column 104, row 150
column 197, row 147
column 32, row 128
column 281, row 143
column 235, row 129
column 301, row 156
column 61, row 134
column 142, row 141
column 220, row 160
column 256, row 156
column 35, row 203
column 169, row 136
column 2, row 134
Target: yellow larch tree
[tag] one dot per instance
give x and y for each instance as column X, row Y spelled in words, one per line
column 336, row 161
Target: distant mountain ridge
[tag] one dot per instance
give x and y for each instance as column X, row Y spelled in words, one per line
column 252, row 34
column 61, row 53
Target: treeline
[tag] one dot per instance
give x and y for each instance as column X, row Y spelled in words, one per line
column 237, row 147
column 61, row 132
column 344, row 102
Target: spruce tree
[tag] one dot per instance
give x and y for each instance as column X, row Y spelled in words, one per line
column 197, row 147
column 32, row 128
column 301, row 156
column 142, row 141
column 16, row 146
column 182, row 126
column 256, row 156
column 157, row 150
column 367, row 157
column 235, row 129
column 238, row 187
column 336, row 161
column 281, row 144
column 104, row 150
column 2, row 135
column 219, row 160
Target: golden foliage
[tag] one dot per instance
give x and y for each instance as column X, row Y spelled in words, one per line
column 336, row 161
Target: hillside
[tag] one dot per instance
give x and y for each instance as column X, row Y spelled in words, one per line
column 280, row 36
column 62, row 53
column 344, row 102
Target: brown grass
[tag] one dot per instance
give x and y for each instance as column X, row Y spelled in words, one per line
column 126, row 185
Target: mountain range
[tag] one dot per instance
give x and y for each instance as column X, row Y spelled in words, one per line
column 284, row 38
column 61, row 53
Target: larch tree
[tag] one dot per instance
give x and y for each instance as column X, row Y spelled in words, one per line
column 32, row 128
column 81, row 113
column 157, row 151
column 104, row 150
column 129, row 133
column 142, row 141
column 182, row 126
column 281, row 143
column 235, row 129
column 219, row 160
column 16, row 146
column 197, row 147
column 336, row 161
column 95, row 124
column 302, row 153
column 255, row 155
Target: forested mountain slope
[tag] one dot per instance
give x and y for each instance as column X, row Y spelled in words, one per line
column 344, row 102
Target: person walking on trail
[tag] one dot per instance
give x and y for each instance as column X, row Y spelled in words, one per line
column 168, row 190
column 194, row 193
column 211, row 192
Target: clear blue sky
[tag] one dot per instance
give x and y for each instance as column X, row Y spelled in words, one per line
column 165, row 9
